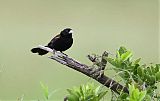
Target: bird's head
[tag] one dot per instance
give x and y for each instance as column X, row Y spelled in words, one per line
column 66, row 32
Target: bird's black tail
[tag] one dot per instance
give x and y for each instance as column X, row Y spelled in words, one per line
column 39, row 51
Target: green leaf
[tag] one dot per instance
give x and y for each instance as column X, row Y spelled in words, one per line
column 118, row 54
column 101, row 95
column 122, row 50
column 140, row 71
column 153, row 70
column 149, row 70
column 97, row 90
column 51, row 93
column 126, row 55
column 45, row 90
column 123, row 96
column 137, row 61
column 72, row 98
column 158, row 65
column 111, row 61
column 158, row 76
column 148, row 98
column 135, row 93
column 131, row 89
column 152, row 79
column 81, row 91
column 72, row 92
column 157, row 68
column 142, row 95
column 89, row 98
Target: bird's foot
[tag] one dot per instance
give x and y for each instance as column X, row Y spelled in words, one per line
column 60, row 54
column 64, row 54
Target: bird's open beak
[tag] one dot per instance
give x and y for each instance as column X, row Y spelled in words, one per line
column 71, row 31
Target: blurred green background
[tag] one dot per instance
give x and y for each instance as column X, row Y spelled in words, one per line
column 98, row 25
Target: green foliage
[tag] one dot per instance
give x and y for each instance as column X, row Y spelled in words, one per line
column 20, row 98
column 88, row 92
column 46, row 92
column 135, row 94
column 132, row 72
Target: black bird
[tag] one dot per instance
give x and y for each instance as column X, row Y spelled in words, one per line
column 61, row 42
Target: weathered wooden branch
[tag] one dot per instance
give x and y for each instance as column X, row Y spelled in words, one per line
column 87, row 70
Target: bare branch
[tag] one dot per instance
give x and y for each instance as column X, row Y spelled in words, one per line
column 104, row 61
column 90, row 72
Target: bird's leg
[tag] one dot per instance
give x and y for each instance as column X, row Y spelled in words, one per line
column 63, row 53
column 58, row 55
